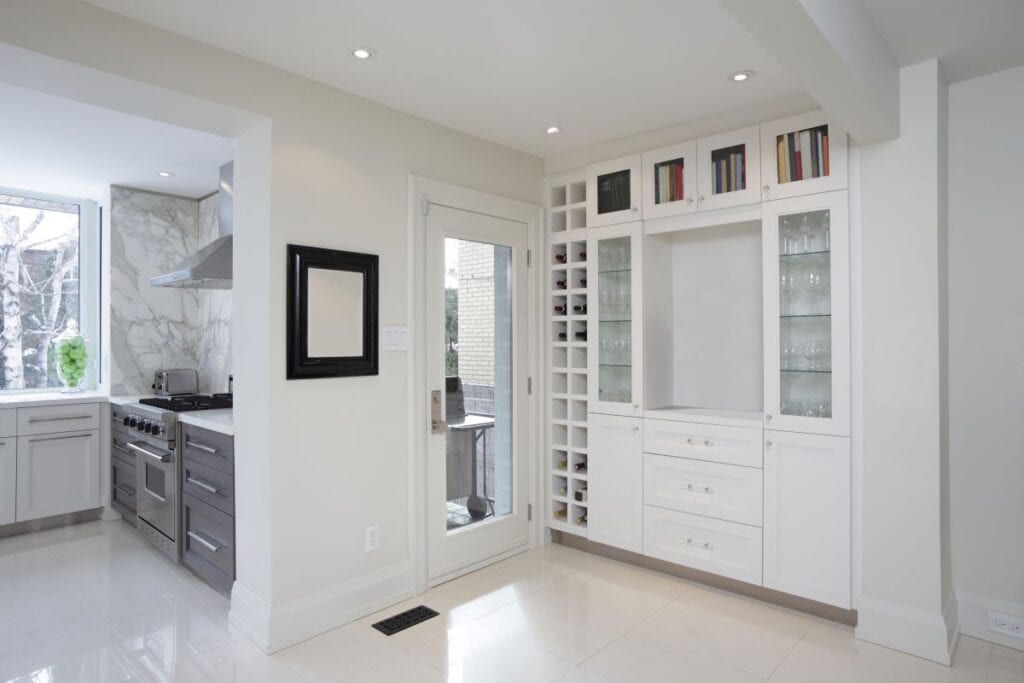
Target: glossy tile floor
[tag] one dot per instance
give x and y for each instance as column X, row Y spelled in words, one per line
column 93, row 603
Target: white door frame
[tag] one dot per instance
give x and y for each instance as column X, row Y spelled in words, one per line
column 422, row 193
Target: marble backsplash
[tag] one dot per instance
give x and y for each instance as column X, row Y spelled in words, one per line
column 162, row 327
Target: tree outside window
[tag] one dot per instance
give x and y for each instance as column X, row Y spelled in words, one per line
column 39, row 287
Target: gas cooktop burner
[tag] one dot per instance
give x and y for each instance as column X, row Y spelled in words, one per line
column 179, row 404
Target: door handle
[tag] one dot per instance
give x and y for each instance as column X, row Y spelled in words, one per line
column 212, row 547
column 437, row 423
column 205, row 485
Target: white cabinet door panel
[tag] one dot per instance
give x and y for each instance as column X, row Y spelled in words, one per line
column 57, row 473
column 714, row 443
column 8, row 479
column 615, row 482
column 807, row 516
column 711, row 489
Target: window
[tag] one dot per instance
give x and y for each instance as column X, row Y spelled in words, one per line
column 48, row 289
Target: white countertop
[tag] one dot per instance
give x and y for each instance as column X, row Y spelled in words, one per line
column 47, row 398
column 215, row 420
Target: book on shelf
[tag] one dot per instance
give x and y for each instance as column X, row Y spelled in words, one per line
column 803, row 154
column 729, row 171
column 669, row 181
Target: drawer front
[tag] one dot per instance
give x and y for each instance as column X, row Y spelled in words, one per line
column 123, row 482
column 212, row 449
column 208, row 542
column 8, row 422
column 714, row 443
column 728, row 492
column 710, row 545
column 208, row 485
column 55, row 419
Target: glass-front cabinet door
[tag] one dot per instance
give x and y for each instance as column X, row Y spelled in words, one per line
column 614, row 319
column 807, row 314
column 613, row 191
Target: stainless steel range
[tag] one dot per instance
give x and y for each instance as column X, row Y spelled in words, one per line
column 144, row 437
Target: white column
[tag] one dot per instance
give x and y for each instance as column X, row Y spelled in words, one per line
column 907, row 601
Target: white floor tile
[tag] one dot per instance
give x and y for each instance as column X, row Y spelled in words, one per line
column 339, row 654
column 404, row 668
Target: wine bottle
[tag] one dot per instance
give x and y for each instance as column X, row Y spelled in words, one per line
column 582, row 519
column 579, row 308
column 560, row 284
column 562, row 336
column 559, row 308
column 582, row 336
column 560, row 258
column 580, row 466
column 583, row 256
column 583, row 282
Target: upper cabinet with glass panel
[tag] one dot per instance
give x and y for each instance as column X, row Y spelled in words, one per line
column 613, row 191
column 670, row 181
column 807, row 305
column 729, row 169
column 803, row 154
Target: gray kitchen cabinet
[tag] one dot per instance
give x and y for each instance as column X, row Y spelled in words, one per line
column 57, row 474
column 208, row 506
column 8, row 479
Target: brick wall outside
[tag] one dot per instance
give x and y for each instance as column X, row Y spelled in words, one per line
column 476, row 314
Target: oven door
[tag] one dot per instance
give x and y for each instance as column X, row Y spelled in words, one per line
column 155, row 491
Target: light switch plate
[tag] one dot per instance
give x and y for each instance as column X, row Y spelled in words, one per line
column 395, row 339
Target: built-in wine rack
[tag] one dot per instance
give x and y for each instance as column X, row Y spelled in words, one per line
column 568, row 290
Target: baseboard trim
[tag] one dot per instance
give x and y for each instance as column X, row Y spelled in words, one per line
column 47, row 523
column 275, row 627
column 974, row 611
column 818, row 609
column 929, row 635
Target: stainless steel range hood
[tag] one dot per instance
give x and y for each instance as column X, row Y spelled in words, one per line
column 210, row 267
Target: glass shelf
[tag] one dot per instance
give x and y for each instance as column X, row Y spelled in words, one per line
column 807, row 372
column 614, row 321
column 790, row 316
column 615, row 270
column 615, row 365
column 803, row 254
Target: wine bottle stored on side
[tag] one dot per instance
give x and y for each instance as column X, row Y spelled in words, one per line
column 559, row 258
column 559, row 309
column 560, row 284
column 579, row 308
column 562, row 336
column 580, row 466
column 582, row 336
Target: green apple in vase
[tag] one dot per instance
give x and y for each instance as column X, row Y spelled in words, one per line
column 72, row 357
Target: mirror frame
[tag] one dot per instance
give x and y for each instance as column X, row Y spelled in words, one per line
column 302, row 366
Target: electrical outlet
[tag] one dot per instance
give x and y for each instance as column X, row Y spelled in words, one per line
column 1002, row 623
column 372, row 538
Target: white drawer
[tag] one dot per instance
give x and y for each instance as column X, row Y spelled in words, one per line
column 8, row 422
column 53, row 419
column 731, row 445
column 728, row 492
column 710, row 545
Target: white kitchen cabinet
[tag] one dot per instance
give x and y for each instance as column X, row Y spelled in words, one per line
column 615, row 482
column 807, row 314
column 711, row 489
column 807, row 516
column 710, row 545
column 8, row 478
column 670, row 181
column 729, row 169
column 803, row 154
column 57, row 473
column 615, row 331
column 613, row 191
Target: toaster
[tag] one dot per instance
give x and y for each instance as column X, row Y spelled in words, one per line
column 176, row 382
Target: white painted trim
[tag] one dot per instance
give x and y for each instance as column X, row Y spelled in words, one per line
column 280, row 626
column 856, row 377
column 930, row 635
column 453, row 196
column 974, row 611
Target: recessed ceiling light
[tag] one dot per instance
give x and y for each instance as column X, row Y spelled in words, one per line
column 554, row 130
column 362, row 52
column 165, row 174
column 741, row 76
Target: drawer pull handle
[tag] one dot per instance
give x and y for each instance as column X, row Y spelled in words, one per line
column 702, row 544
column 61, row 438
column 33, row 420
column 212, row 547
column 709, row 443
column 699, row 489
column 201, row 446
column 128, row 491
column 205, row 485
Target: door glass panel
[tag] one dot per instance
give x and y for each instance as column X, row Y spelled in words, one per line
column 478, row 366
column 156, row 480
column 615, row 320
column 805, row 312
column 613, row 192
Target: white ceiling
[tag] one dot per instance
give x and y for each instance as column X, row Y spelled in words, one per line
column 58, row 146
column 504, row 71
column 970, row 37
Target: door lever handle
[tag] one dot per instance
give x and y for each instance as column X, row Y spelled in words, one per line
column 437, row 423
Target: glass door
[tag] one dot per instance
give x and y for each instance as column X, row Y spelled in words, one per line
column 807, row 314
column 476, row 471
column 615, row 353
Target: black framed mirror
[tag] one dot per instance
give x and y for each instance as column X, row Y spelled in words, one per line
column 332, row 313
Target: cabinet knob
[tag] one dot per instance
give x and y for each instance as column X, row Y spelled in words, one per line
column 689, row 200
column 636, row 406
column 634, row 209
column 636, row 429
column 768, row 417
column 766, row 188
column 768, row 443
column 708, row 443
column 702, row 197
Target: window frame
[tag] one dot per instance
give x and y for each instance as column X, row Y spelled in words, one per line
column 89, row 282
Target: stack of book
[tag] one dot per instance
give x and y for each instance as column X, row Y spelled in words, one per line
column 803, row 154
column 728, row 169
column 668, row 181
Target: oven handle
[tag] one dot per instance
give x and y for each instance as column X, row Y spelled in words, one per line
column 212, row 547
column 144, row 451
column 155, row 495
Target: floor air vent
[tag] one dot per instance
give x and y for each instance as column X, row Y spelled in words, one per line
column 400, row 622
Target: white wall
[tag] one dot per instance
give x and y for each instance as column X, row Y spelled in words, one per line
column 986, row 347
column 318, row 460
column 907, row 601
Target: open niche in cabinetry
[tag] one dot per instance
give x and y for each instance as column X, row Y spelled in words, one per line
column 568, row 356
column 566, row 202
column 703, row 325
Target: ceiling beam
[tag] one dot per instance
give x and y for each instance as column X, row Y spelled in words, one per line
column 836, row 53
